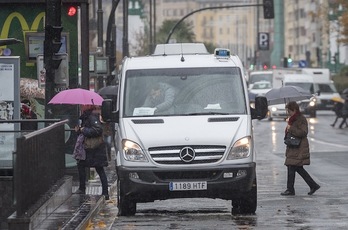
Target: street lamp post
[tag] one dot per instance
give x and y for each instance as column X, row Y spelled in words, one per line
column 125, row 48
column 206, row 8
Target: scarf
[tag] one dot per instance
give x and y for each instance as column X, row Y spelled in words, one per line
column 292, row 119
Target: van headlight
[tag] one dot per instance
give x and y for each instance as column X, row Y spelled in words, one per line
column 133, row 152
column 240, row 149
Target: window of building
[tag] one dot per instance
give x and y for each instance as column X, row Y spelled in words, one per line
column 303, row 31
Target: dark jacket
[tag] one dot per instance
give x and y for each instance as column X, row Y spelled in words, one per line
column 92, row 127
column 298, row 156
column 345, row 109
column 338, row 109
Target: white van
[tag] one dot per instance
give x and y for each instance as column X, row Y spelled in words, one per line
column 319, row 85
column 202, row 145
column 322, row 86
column 305, row 81
column 257, row 76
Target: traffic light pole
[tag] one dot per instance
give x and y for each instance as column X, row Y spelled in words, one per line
column 52, row 43
column 110, row 49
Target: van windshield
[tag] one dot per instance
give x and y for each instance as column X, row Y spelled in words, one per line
column 186, row 91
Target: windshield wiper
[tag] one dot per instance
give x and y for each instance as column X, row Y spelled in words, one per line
column 206, row 113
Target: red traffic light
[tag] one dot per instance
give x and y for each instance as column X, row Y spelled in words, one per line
column 72, row 10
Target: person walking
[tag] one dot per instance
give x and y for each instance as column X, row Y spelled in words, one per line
column 344, row 113
column 337, row 108
column 297, row 157
column 88, row 155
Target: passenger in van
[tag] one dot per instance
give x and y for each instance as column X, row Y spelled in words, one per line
column 161, row 97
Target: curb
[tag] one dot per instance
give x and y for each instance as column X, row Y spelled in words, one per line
column 93, row 212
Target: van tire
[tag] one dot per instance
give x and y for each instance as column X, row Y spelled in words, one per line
column 246, row 204
column 125, row 206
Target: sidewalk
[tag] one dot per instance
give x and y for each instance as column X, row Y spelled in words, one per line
column 78, row 210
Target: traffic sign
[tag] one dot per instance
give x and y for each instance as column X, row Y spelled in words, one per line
column 302, row 63
column 263, row 41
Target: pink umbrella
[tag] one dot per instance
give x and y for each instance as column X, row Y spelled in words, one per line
column 77, row 97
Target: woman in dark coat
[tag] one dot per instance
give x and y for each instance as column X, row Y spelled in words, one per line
column 91, row 127
column 297, row 157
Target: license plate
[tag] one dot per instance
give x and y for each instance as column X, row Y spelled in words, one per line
column 187, row 186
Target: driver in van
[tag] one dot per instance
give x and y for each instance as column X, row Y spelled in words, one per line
column 161, row 97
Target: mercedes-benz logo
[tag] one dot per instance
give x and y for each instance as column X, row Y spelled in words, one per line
column 187, row 154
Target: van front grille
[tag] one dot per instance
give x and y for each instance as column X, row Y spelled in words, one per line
column 196, row 154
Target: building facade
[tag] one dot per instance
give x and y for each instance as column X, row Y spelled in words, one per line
column 302, row 31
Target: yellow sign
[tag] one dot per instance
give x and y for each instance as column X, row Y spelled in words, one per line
column 24, row 24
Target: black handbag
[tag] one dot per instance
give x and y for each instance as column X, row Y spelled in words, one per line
column 292, row 141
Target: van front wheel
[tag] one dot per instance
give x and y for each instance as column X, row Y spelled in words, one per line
column 246, row 203
column 125, row 206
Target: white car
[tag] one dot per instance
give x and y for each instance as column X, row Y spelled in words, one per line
column 277, row 111
column 260, row 88
column 307, row 107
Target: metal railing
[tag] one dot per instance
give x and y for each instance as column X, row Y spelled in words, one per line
column 38, row 163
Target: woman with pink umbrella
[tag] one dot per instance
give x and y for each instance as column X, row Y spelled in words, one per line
column 88, row 155
column 89, row 130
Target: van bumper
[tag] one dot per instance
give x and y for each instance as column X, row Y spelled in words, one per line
column 150, row 184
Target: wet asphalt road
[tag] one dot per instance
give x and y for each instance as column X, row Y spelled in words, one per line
column 326, row 209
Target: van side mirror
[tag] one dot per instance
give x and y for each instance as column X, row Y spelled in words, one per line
column 261, row 108
column 107, row 111
column 318, row 92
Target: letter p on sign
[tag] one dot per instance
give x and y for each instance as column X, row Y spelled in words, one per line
column 263, row 41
